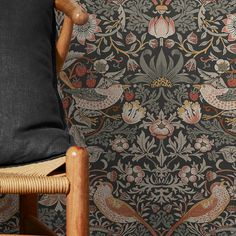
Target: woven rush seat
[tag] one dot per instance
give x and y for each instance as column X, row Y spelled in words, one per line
column 34, row 178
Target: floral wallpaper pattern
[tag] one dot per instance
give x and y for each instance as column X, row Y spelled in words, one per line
column 150, row 88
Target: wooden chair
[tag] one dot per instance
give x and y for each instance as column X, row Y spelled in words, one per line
column 43, row 177
column 48, row 177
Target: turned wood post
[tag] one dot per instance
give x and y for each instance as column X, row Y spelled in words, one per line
column 28, row 207
column 77, row 208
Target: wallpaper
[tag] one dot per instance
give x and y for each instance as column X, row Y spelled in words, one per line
column 149, row 87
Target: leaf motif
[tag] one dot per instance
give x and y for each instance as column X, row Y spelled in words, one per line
column 141, row 79
column 178, row 66
column 182, row 78
column 121, row 16
column 161, row 64
column 145, row 67
column 206, row 75
column 117, row 75
column 78, row 136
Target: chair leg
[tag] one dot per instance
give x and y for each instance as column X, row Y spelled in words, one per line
column 28, row 207
column 77, row 208
column 29, row 222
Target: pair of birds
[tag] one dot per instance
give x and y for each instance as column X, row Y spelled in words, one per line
column 102, row 98
column 204, row 211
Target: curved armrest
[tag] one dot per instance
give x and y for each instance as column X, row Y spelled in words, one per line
column 73, row 10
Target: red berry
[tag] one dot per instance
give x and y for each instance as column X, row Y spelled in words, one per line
column 81, row 70
column 129, row 96
column 66, row 103
column 231, row 82
column 193, row 96
column 77, row 84
column 91, row 82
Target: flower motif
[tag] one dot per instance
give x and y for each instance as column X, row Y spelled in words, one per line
column 119, row 144
column 153, row 43
column 90, row 48
column 161, row 27
column 132, row 65
column 222, row 66
column 188, row 174
column 210, row 175
column 112, row 176
column 133, row 112
column 88, row 30
column 167, row 208
column 230, row 26
column 135, row 174
column 169, row 43
column 161, row 71
column 203, row 144
column 232, row 191
column 161, row 128
column 190, row 112
column 232, row 48
column 192, row 38
column 191, row 64
column 130, row 38
column 101, row 66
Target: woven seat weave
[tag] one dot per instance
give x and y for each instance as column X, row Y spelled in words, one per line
column 33, row 178
column 28, row 184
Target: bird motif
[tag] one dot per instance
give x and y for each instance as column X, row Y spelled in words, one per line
column 97, row 98
column 115, row 209
column 222, row 98
column 208, row 209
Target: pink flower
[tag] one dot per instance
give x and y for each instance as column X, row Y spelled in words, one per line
column 192, row 38
column 161, row 27
column 210, row 175
column 90, row 48
column 203, row 144
column 120, row 144
column 112, row 176
column 88, row 30
column 188, row 174
column 169, row 43
column 132, row 65
column 191, row 64
column 130, row 38
column 153, row 43
column 161, row 128
column 135, row 174
column 232, row 48
column 230, row 26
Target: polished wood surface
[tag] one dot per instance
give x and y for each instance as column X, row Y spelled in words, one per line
column 63, row 42
column 73, row 10
column 77, row 222
column 28, row 205
column 75, row 14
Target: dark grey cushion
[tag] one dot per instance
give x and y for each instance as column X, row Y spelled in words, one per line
column 32, row 125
